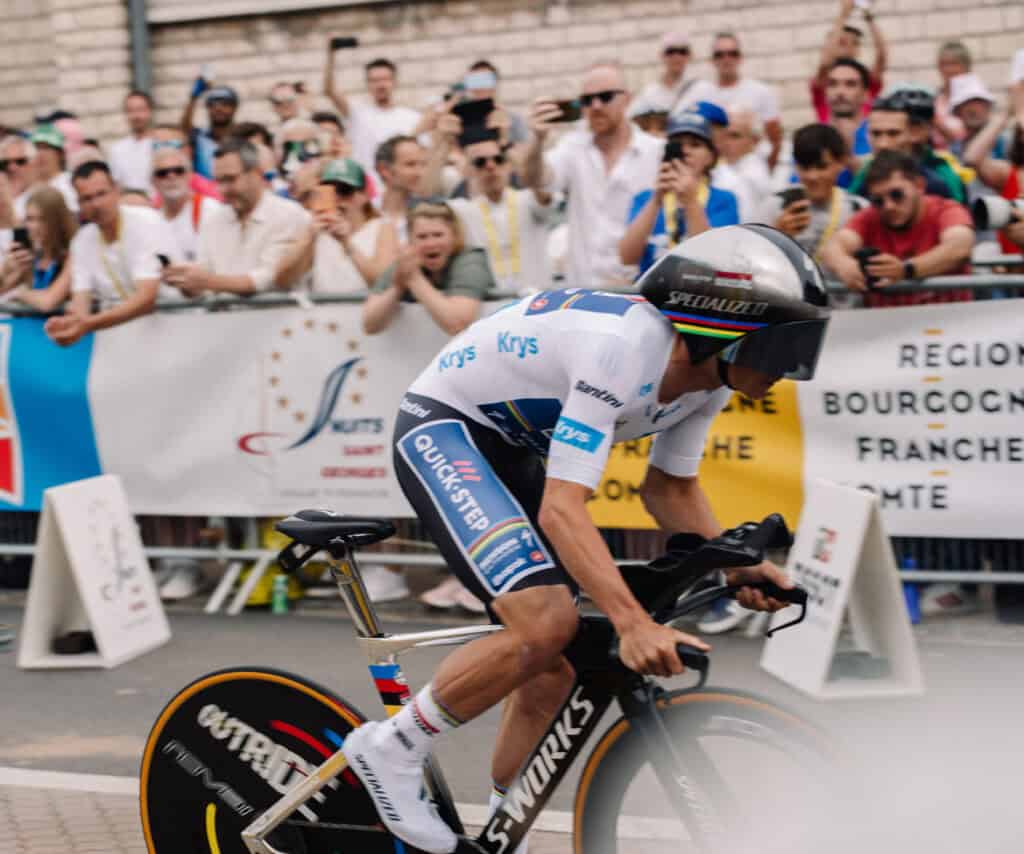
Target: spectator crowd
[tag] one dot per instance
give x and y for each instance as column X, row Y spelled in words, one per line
column 354, row 192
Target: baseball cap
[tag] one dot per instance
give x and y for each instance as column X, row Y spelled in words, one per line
column 713, row 113
column 48, row 135
column 968, row 87
column 344, row 171
column 222, row 93
column 674, row 38
column 692, row 123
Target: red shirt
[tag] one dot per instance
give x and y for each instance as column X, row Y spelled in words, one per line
column 821, row 105
column 1011, row 190
column 937, row 215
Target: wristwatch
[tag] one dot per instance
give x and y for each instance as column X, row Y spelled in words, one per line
column 909, row 270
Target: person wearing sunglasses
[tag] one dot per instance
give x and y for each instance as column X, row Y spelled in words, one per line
column 131, row 157
column 348, row 244
column 906, row 233
column 182, row 209
column 670, row 93
column 17, row 163
column 170, row 136
column 221, row 108
column 601, row 166
column 731, row 90
column 286, row 100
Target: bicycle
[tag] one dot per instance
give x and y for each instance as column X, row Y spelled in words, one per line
column 249, row 760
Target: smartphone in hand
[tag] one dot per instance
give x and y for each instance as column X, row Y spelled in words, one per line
column 673, row 151
column 21, row 237
column 863, row 255
column 344, row 42
column 571, row 111
column 792, row 195
column 163, row 259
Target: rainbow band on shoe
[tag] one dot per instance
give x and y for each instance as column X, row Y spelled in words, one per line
column 712, row 327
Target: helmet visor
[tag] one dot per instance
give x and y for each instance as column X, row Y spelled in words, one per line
column 787, row 350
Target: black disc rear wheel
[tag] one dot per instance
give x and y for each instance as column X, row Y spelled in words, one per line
column 230, row 745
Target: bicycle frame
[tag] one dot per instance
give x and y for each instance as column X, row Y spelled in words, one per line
column 597, row 685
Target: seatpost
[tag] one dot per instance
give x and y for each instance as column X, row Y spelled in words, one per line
column 345, row 571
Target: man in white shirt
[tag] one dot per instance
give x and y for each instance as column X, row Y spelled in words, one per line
column 183, row 210
column 369, row 123
column 113, row 259
column 670, row 93
column 50, row 166
column 742, row 169
column 240, row 244
column 730, row 90
column 131, row 156
column 601, row 168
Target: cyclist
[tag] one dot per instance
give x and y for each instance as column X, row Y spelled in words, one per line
column 501, row 440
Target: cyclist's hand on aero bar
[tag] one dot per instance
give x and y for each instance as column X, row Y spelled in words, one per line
column 649, row 647
column 755, row 599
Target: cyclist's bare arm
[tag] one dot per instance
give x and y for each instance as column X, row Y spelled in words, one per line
column 680, row 504
column 646, row 646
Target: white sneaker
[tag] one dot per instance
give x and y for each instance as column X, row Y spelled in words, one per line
column 184, row 580
column 723, row 617
column 395, row 785
column 443, row 597
column 468, row 601
column 383, row 585
column 947, row 600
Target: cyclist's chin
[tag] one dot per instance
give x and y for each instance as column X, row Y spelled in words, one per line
column 754, row 384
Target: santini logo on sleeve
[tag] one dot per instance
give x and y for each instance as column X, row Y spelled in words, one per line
column 578, row 435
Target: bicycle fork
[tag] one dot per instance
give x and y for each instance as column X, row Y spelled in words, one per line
column 679, row 773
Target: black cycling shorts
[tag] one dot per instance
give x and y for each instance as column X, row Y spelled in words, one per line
column 478, row 497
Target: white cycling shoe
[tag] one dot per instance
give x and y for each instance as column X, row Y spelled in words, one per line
column 395, row 785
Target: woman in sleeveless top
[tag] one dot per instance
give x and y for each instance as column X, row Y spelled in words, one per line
column 347, row 245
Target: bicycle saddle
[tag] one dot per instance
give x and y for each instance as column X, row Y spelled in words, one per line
column 318, row 528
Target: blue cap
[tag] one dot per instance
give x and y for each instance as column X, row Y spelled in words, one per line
column 713, row 113
column 222, row 93
column 692, row 123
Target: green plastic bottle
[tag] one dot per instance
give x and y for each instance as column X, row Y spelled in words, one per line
column 279, row 594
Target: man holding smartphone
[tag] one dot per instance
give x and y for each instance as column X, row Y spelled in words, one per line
column 812, row 211
column 369, row 121
column 602, row 167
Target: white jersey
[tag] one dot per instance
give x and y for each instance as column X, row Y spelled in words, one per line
column 569, row 373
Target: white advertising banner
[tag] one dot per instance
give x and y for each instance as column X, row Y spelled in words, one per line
column 924, row 407
column 256, row 412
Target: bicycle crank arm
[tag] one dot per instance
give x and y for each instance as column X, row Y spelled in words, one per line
column 254, row 836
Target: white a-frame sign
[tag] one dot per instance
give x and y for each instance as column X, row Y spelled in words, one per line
column 90, row 572
column 842, row 557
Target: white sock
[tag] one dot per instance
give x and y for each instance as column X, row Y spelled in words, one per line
column 412, row 731
column 495, row 799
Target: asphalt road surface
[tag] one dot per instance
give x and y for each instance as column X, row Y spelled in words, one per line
column 949, row 761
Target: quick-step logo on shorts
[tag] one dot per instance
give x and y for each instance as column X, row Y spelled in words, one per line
column 484, row 518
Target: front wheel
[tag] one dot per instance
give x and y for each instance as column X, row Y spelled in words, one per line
column 761, row 770
column 230, row 745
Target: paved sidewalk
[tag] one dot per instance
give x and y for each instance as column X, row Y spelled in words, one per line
column 54, row 821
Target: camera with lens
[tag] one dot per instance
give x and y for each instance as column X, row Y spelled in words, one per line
column 995, row 212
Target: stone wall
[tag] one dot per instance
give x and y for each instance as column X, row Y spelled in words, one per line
column 540, row 47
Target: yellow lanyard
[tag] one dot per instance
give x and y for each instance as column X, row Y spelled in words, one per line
column 833, row 222
column 114, row 280
column 671, row 208
column 511, row 199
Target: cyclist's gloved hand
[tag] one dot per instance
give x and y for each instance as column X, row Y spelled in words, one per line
column 650, row 648
column 752, row 598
